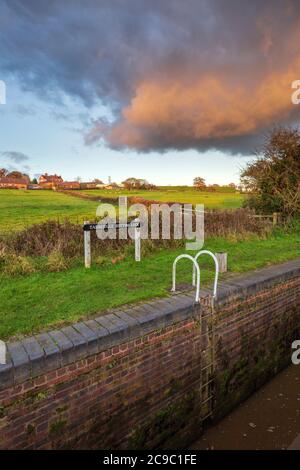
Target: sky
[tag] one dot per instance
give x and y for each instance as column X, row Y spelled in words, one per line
column 163, row 90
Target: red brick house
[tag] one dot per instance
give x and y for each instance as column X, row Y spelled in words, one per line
column 49, row 181
column 13, row 183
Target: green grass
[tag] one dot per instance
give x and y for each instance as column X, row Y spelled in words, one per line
column 212, row 200
column 21, row 208
column 34, row 302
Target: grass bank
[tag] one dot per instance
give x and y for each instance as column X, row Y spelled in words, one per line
column 35, row 301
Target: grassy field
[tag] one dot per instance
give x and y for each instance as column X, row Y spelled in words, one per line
column 21, row 208
column 212, row 200
column 35, row 301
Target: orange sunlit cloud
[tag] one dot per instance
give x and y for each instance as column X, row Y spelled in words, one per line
column 238, row 92
column 171, row 113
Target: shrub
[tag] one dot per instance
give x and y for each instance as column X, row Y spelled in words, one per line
column 273, row 180
column 147, row 248
column 14, row 265
column 239, row 222
column 64, row 242
column 56, row 261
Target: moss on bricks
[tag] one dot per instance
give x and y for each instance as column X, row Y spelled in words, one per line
column 2, row 412
column 35, row 397
column 113, row 364
column 57, row 427
column 172, row 427
column 30, row 429
column 61, row 409
column 246, row 376
column 174, row 387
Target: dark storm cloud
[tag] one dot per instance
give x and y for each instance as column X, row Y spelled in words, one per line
column 16, row 157
column 176, row 74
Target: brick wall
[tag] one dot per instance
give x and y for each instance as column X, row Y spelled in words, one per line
column 254, row 337
column 131, row 378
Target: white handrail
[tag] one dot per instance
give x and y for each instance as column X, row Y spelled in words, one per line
column 206, row 252
column 195, row 267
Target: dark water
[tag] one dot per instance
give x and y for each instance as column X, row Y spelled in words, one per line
column 269, row 419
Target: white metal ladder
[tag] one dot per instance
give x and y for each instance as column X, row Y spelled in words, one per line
column 206, row 252
column 206, row 332
column 207, row 344
column 207, row 361
column 197, row 271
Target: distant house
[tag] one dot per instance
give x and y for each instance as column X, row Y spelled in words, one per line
column 13, row 183
column 68, row 185
column 49, row 181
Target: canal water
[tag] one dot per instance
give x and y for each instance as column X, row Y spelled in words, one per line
column 269, row 419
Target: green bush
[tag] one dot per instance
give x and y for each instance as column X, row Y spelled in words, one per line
column 272, row 180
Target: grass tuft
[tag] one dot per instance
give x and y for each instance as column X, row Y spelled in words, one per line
column 16, row 265
column 56, row 261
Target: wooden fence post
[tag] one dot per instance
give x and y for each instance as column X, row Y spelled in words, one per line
column 87, row 247
column 3, row 357
column 275, row 218
column 222, row 260
column 137, row 242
